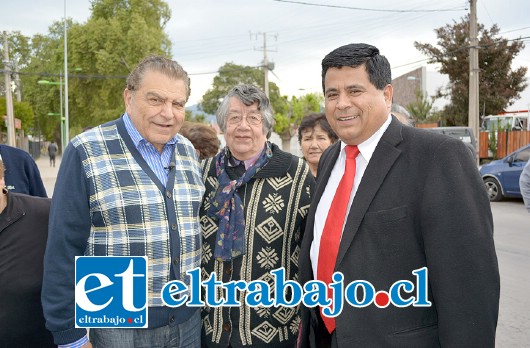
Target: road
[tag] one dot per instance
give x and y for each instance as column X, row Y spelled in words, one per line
column 512, row 242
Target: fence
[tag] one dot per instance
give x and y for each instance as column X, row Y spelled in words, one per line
column 507, row 142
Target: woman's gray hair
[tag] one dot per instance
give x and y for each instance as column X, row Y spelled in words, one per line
column 164, row 65
column 248, row 94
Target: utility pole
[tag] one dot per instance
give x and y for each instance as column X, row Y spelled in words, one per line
column 266, row 65
column 17, row 84
column 66, row 116
column 473, row 114
column 10, row 122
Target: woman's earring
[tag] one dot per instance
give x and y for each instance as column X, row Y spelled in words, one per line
column 4, row 190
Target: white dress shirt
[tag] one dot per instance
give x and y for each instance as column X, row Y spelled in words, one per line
column 366, row 150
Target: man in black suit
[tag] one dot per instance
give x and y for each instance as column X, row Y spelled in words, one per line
column 417, row 201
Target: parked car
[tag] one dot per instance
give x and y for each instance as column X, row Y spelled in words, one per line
column 501, row 177
column 510, row 121
column 463, row 133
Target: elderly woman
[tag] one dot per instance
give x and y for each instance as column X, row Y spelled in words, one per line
column 253, row 218
column 315, row 135
column 23, row 233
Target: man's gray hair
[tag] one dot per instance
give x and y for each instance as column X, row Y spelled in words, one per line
column 166, row 66
column 248, row 94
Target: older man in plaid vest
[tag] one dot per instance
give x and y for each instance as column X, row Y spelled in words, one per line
column 131, row 186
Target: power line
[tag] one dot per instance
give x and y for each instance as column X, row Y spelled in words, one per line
column 80, row 76
column 411, row 63
column 511, row 31
column 368, row 9
column 85, row 76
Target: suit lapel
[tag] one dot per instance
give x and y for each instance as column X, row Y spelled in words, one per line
column 382, row 160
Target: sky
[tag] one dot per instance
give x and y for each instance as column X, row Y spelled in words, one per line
column 206, row 34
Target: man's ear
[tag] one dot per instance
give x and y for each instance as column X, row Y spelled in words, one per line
column 388, row 93
column 127, row 98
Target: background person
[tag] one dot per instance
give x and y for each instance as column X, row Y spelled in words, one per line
column 117, row 194
column 392, row 199
column 402, row 114
column 52, row 151
column 524, row 185
column 21, row 174
column 203, row 137
column 252, row 218
column 315, row 136
column 23, row 233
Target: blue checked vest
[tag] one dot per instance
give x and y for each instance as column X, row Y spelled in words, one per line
column 133, row 214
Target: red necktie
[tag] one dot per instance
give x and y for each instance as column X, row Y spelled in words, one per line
column 332, row 233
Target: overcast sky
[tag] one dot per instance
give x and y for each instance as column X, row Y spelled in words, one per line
column 207, row 33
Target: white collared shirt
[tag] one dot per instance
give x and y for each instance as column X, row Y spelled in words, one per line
column 366, row 149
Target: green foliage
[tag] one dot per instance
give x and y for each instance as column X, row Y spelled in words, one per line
column 101, row 53
column 200, row 118
column 19, row 49
column 298, row 107
column 286, row 112
column 3, row 108
column 230, row 75
column 492, row 143
column 493, row 137
column 22, row 111
column 420, row 109
column 118, row 35
column 499, row 85
column 283, row 125
column 197, row 117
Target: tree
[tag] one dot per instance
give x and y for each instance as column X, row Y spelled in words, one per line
column 230, row 75
column 287, row 123
column 420, row 108
column 116, row 37
column 19, row 48
column 44, row 62
column 19, row 53
column 118, row 34
column 499, row 85
column 18, row 56
column 198, row 117
column 22, row 111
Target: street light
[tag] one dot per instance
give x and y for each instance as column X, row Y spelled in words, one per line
column 46, row 82
column 65, row 134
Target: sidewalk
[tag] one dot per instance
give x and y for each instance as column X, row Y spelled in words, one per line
column 47, row 173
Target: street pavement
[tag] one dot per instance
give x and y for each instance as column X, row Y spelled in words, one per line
column 48, row 173
column 512, row 242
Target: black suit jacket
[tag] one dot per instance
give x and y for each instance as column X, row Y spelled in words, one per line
column 23, row 233
column 420, row 203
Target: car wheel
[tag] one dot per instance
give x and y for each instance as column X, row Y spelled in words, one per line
column 493, row 188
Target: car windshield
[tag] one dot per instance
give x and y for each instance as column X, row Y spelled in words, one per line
column 466, row 139
column 497, row 123
column 520, row 122
column 493, row 124
column 462, row 135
